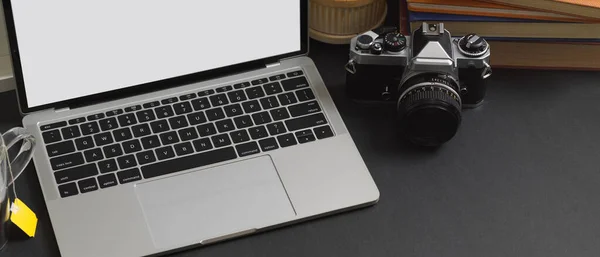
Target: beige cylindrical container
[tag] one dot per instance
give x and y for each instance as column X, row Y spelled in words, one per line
column 338, row 21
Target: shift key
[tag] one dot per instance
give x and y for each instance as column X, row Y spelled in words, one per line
column 306, row 122
column 68, row 175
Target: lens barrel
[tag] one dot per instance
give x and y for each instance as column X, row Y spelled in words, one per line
column 429, row 109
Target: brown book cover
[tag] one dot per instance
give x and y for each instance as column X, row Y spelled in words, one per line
column 581, row 8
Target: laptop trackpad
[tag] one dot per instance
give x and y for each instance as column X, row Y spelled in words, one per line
column 206, row 204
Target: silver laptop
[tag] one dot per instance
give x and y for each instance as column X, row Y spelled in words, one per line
column 165, row 125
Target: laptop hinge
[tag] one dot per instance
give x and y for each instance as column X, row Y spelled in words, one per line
column 270, row 65
column 62, row 109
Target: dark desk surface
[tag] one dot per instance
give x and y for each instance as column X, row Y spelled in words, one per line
column 521, row 178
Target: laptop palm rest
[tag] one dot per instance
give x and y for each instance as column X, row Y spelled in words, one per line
column 217, row 203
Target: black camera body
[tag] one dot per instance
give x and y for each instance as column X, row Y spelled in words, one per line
column 431, row 76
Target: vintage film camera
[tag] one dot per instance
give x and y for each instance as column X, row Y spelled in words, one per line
column 430, row 76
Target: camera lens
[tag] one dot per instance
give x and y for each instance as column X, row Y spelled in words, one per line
column 429, row 109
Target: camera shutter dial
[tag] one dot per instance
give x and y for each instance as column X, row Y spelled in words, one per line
column 394, row 42
column 473, row 45
column 364, row 42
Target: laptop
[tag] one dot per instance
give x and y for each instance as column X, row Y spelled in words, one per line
column 166, row 125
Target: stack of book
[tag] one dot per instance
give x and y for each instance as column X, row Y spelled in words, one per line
column 545, row 34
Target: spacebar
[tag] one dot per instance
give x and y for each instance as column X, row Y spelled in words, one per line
column 188, row 162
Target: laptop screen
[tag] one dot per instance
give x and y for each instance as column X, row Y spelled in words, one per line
column 72, row 48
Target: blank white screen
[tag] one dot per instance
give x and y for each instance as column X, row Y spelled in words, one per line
column 75, row 48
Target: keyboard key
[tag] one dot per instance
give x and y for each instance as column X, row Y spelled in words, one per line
column 218, row 100
column 242, row 85
column 133, row 108
column 243, row 121
column 67, row 190
column 207, row 130
column 159, row 126
column 145, row 115
column 127, row 176
column 259, row 81
column 183, row 107
column 261, row 118
column 196, row 118
column 93, row 155
column 77, row 173
column 224, row 89
column 276, row 128
column 103, row 139
column 251, row 106
column 70, row 132
column 305, row 136
column 304, row 108
column 108, row 124
column 188, row 162
column 273, row 88
column 127, row 119
column 268, row 144
column 66, row 161
column 145, row 157
column 215, row 114
column 287, row 140
column 269, row 102
column 168, row 138
column 237, row 96
column 122, row 134
column 126, row 161
column 84, row 143
column 107, row 166
column 202, row 144
column 58, row 124
column 132, row 146
column 165, row 153
column 112, row 151
column 225, row 125
column 163, row 111
column 280, row 114
column 295, row 73
column 178, row 122
column 258, row 132
column 187, row 134
column 233, row 110
column 246, row 149
column 306, row 122
column 51, row 136
column 187, row 97
column 295, row 83
column 96, row 116
column 87, row 185
column 206, row 92
column 141, row 130
column 221, row 140
column 239, row 136
column 107, row 180
column 305, row 95
column 114, row 113
column 60, row 148
column 277, row 77
column 151, row 104
column 150, row 142
column 287, row 98
column 89, row 128
column 183, row 148
column 76, row 121
column 323, row 132
column 201, row 104
column 255, row 92
column 170, row 100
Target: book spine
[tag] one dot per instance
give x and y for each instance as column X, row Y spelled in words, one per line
column 404, row 25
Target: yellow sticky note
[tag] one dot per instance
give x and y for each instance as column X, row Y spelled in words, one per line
column 23, row 217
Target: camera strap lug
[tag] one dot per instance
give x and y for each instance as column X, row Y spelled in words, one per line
column 350, row 66
column 487, row 72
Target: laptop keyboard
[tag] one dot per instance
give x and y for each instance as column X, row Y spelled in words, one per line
column 179, row 133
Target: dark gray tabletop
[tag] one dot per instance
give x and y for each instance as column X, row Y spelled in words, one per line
column 521, row 178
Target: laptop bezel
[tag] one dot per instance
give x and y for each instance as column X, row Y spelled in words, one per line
column 141, row 88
